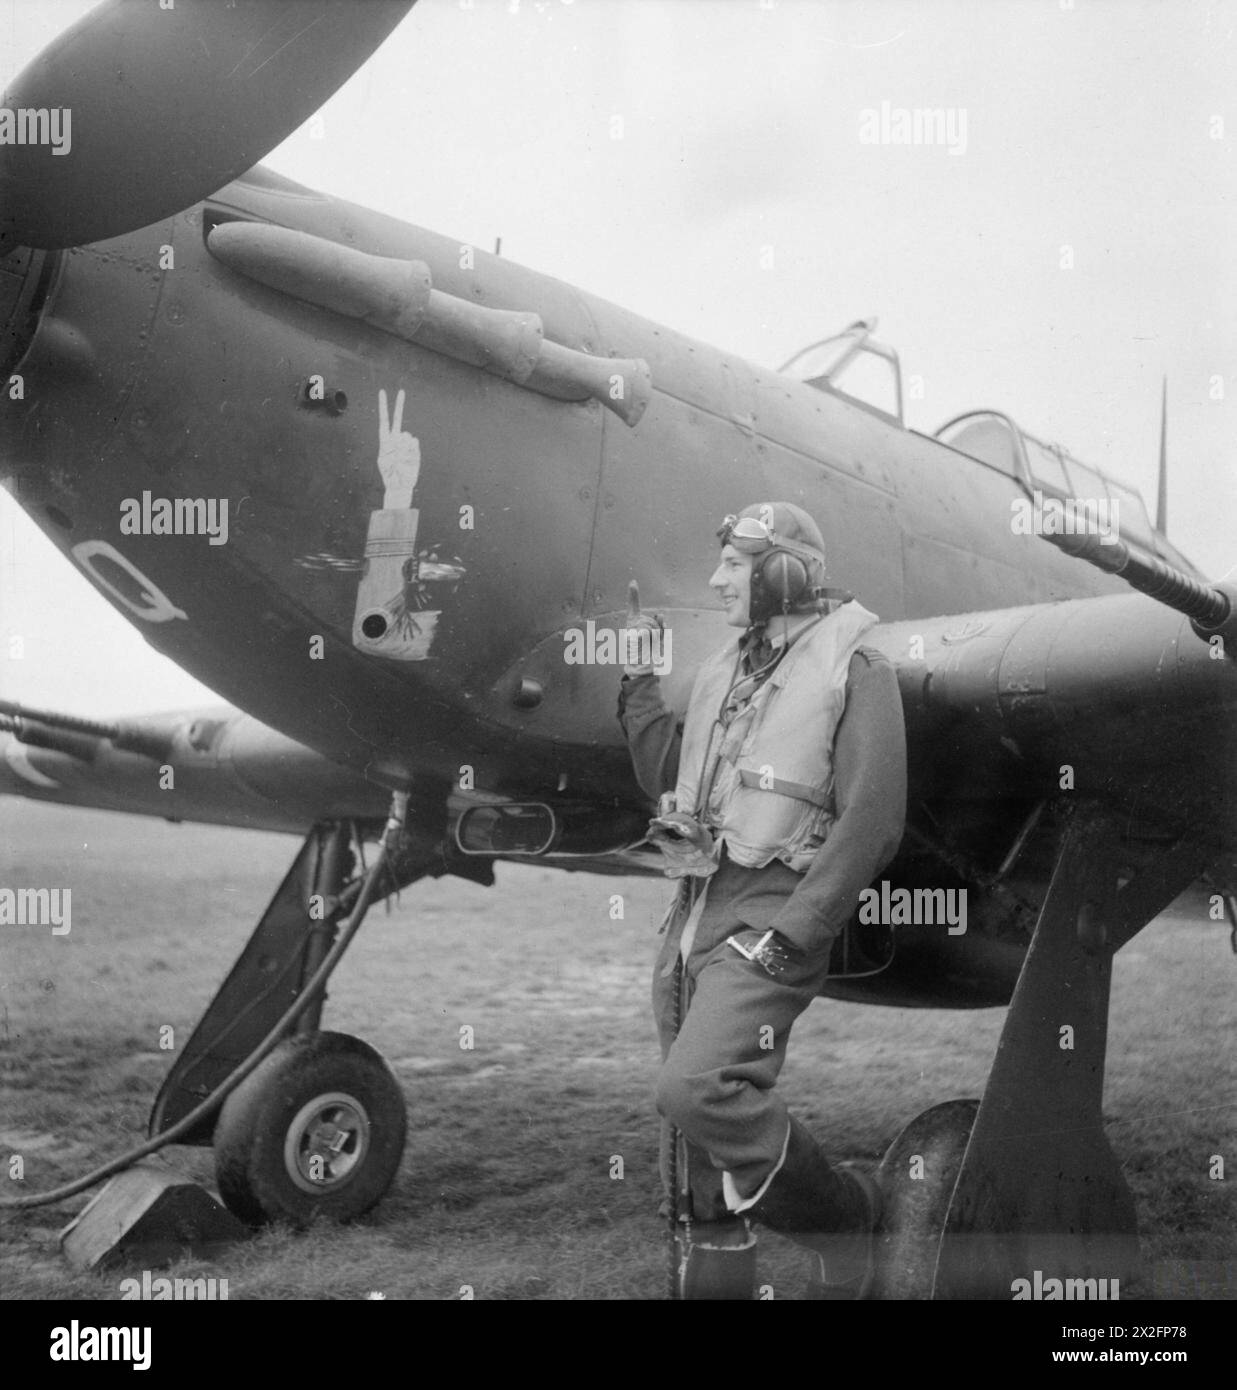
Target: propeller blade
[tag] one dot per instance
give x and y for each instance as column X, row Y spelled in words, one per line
column 138, row 111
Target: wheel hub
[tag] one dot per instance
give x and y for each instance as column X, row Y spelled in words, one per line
column 327, row 1142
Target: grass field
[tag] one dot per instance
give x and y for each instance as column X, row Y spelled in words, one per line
column 506, row 1184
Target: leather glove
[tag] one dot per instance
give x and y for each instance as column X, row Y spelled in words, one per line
column 687, row 847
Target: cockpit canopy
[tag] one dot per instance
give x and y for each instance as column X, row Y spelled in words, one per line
column 853, row 364
column 995, row 439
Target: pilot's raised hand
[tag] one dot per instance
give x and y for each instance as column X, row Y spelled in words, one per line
column 637, row 621
column 399, row 455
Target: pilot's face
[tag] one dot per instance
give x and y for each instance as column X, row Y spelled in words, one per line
column 732, row 582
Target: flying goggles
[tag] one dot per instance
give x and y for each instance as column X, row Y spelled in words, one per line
column 751, row 535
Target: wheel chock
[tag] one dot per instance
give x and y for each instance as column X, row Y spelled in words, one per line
column 148, row 1214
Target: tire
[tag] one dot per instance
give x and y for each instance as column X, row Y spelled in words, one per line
column 917, row 1199
column 317, row 1130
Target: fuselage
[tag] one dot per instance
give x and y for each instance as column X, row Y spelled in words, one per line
column 157, row 373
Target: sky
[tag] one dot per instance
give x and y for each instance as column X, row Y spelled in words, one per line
column 729, row 168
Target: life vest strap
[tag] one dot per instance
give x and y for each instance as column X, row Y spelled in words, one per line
column 750, row 777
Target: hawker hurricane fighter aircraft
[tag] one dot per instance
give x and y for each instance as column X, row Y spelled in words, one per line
column 374, row 487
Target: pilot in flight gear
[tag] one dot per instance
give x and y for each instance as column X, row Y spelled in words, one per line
column 788, row 782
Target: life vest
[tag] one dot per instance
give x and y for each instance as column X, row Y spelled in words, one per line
column 772, row 788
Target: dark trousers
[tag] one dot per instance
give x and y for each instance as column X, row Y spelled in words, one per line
column 718, row 1076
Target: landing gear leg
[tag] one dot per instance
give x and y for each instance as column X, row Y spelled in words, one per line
column 318, row 1127
column 1039, row 1187
column 289, row 942
column 1027, row 1181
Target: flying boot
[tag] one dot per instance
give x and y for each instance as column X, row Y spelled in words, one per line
column 716, row 1260
column 831, row 1211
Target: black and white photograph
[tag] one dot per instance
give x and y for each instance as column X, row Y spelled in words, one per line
column 618, row 660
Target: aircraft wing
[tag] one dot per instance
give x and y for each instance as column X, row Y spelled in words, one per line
column 1119, row 701
column 216, row 765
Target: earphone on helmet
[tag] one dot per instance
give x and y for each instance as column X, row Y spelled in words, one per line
column 786, row 574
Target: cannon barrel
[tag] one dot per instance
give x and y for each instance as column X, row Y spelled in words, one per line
column 1211, row 608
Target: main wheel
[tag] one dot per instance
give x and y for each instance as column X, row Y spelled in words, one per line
column 318, row 1128
column 917, row 1177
